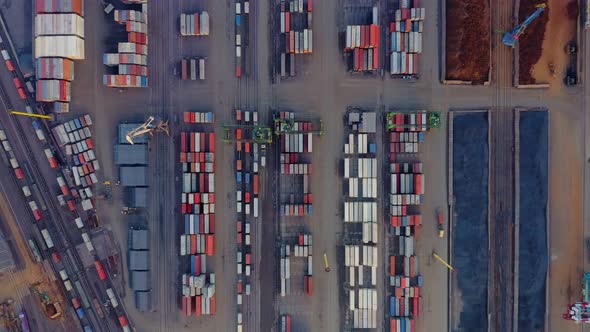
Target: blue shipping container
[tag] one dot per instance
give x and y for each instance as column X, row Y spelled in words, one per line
column 392, row 306
column 239, row 177
column 80, row 312
column 238, row 20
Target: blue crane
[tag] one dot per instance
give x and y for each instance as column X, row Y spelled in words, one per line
column 511, row 37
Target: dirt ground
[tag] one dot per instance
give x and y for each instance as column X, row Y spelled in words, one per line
column 467, row 40
column 531, row 45
column 561, row 29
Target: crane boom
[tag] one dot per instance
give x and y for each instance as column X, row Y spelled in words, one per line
column 511, row 37
column 148, row 127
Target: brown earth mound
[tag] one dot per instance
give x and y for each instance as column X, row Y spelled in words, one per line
column 467, row 40
column 530, row 44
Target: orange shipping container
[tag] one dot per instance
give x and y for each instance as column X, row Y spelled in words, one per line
column 210, row 241
column 392, row 265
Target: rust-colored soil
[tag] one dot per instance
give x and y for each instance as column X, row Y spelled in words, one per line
column 467, row 40
column 530, row 44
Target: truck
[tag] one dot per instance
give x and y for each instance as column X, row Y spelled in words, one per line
column 47, row 238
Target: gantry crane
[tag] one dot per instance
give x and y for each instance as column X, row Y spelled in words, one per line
column 247, row 133
column 150, row 126
column 579, row 312
column 433, row 120
column 287, row 126
column 511, row 37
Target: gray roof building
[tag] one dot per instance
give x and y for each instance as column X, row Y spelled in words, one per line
column 143, row 301
column 6, row 259
column 124, row 128
column 139, row 239
column 138, row 197
column 140, row 280
column 133, row 176
column 126, row 154
column 139, row 260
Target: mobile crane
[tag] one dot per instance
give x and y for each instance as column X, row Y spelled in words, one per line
column 150, row 126
column 511, row 37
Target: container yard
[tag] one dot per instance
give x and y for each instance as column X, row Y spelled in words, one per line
column 361, row 230
column 405, row 39
column 467, row 42
column 194, row 24
column 59, row 33
column 197, row 237
column 249, row 139
column 295, row 37
column 192, row 69
column 127, row 68
column 405, row 133
column 295, row 275
column 242, row 39
column 362, row 39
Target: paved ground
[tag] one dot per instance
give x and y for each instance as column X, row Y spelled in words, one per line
column 324, row 90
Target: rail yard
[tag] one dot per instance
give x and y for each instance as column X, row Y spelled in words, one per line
column 294, row 165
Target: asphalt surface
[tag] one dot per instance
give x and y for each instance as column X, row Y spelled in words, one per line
column 324, row 89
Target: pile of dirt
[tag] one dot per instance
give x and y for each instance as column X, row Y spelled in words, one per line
column 530, row 44
column 467, row 40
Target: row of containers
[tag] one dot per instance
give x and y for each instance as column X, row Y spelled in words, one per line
column 361, row 45
column 59, row 39
column 295, row 33
column 194, row 24
column 296, row 201
column 247, row 179
column 361, row 231
column 406, row 189
column 247, row 183
column 74, row 137
column 129, row 64
column 197, row 241
column 17, row 82
column 242, row 33
column 406, row 38
column 192, row 69
column 301, row 249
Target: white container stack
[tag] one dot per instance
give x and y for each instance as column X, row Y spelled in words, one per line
column 295, row 33
column 194, row 24
column 130, row 60
column 59, row 38
column 361, row 264
column 406, row 38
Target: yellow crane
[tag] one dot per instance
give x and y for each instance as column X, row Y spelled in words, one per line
column 150, row 126
column 32, row 115
column 326, row 263
column 440, row 259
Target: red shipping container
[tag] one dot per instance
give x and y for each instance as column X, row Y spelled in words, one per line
column 239, row 225
column 391, row 265
column 101, row 274
column 198, row 305
column 212, row 224
column 183, row 208
column 287, row 22
column 248, row 259
column 22, row 94
column 240, row 287
column 239, row 238
column 17, row 82
column 197, row 31
column 203, row 143
column 247, row 147
column 183, row 142
column 72, row 206
column 374, row 35
column 19, row 174
column 416, row 308
column 309, row 6
column 212, row 306
column 418, row 184
column 9, row 65
column 210, row 244
column 376, row 58
column 310, row 285
column 197, row 260
column 238, row 71
column 211, row 142
column 288, row 323
column 202, row 223
column 211, row 198
column 255, row 184
column 193, row 239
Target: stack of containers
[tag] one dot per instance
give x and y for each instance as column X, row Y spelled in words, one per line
column 361, row 262
column 296, row 32
column 59, row 39
column 198, row 294
column 198, row 117
column 406, row 188
column 194, row 24
column 295, row 149
column 360, row 208
column 303, row 249
column 406, row 38
column 241, row 32
column 285, row 270
column 286, row 323
column 363, row 42
column 197, row 156
column 131, row 57
column 247, row 197
column 192, row 69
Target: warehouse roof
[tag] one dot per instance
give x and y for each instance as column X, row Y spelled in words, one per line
column 140, row 280
column 139, row 197
column 139, row 260
column 143, row 301
column 368, row 123
column 126, row 154
column 133, row 176
column 124, row 128
column 138, row 239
